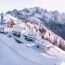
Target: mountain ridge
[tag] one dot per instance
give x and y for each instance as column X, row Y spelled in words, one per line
column 53, row 20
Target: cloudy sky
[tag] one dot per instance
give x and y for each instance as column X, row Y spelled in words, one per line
column 6, row 5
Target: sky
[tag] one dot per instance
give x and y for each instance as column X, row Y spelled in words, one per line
column 6, row 5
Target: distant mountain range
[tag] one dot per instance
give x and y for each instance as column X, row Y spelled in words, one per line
column 53, row 20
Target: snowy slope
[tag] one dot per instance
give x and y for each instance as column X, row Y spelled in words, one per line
column 13, row 53
column 10, row 54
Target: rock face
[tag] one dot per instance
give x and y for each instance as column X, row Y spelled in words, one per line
column 35, row 25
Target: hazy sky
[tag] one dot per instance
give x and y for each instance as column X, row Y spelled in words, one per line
column 6, row 5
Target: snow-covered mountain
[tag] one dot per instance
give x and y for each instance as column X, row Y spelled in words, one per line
column 54, row 20
column 28, row 43
column 33, row 24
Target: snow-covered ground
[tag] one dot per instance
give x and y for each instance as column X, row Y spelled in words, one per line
column 13, row 53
